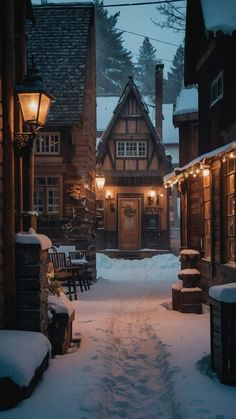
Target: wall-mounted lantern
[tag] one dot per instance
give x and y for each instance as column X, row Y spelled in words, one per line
column 34, row 103
column 151, row 197
column 206, row 171
column 100, row 181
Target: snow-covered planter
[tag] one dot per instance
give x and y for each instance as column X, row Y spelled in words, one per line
column 61, row 314
column 23, row 358
column 223, row 322
column 189, row 258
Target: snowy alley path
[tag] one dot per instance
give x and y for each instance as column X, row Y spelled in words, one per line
column 137, row 359
column 137, row 378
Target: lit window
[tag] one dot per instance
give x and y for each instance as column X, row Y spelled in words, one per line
column 217, row 88
column 131, row 149
column 230, row 200
column 47, row 195
column 206, row 217
column 47, row 143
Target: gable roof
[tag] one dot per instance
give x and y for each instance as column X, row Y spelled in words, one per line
column 59, row 42
column 205, row 19
column 107, row 104
column 130, row 87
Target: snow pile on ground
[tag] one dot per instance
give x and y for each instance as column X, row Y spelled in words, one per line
column 138, row 359
column 21, row 353
column 149, row 269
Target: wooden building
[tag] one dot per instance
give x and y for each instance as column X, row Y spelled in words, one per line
column 63, row 43
column 13, row 15
column 132, row 211
column 207, row 175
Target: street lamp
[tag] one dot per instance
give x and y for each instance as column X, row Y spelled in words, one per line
column 100, row 181
column 34, row 104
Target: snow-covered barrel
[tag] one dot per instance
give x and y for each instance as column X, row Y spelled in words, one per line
column 222, row 300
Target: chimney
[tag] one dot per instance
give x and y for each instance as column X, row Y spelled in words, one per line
column 159, row 97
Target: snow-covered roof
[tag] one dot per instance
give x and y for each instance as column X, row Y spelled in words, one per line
column 187, row 101
column 203, row 158
column 107, row 104
column 219, row 15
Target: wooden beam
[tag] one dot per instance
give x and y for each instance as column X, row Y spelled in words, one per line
column 8, row 167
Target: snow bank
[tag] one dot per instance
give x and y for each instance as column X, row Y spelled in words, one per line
column 136, row 270
column 21, row 353
column 225, row 293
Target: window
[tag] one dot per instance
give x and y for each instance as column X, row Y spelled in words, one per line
column 131, row 149
column 47, row 195
column 206, row 218
column 229, row 189
column 217, row 89
column 47, row 143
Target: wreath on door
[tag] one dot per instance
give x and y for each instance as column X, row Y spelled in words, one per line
column 129, row 211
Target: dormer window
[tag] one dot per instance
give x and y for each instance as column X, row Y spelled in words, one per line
column 131, row 149
column 217, row 88
column 47, row 143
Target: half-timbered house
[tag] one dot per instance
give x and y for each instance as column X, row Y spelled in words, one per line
column 207, row 174
column 63, row 44
column 132, row 210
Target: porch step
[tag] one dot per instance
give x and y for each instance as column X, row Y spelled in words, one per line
column 132, row 254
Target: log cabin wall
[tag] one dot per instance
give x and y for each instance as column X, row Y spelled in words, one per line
column 215, row 119
column 2, row 301
column 209, row 62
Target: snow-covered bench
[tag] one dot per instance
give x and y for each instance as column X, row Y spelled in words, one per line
column 24, row 357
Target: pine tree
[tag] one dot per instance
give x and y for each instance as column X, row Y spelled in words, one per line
column 145, row 70
column 114, row 63
column 173, row 84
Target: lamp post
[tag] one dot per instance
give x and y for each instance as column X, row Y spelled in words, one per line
column 34, row 101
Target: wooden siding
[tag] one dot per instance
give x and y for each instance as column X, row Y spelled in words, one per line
column 1, row 206
column 215, row 119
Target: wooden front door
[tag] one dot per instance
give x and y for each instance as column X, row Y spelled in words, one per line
column 129, row 223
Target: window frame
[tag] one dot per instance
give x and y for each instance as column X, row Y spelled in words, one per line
column 54, row 148
column 230, row 213
column 206, row 218
column 44, row 189
column 128, row 145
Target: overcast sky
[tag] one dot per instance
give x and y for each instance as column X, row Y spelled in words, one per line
column 138, row 19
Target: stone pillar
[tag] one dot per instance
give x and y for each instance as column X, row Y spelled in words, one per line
column 31, row 282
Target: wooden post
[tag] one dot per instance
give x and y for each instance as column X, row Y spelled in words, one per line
column 20, row 71
column 8, row 168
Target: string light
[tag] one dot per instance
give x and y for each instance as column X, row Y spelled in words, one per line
column 200, row 169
